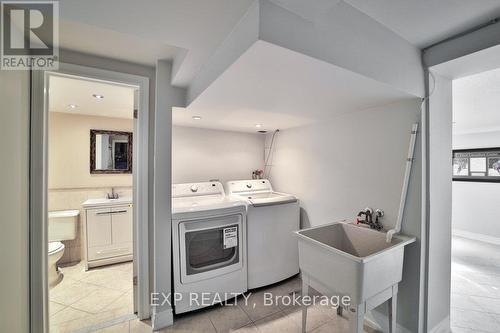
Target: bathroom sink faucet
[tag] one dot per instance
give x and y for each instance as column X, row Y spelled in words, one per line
column 113, row 195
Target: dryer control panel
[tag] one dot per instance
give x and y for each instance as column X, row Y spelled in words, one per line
column 197, row 189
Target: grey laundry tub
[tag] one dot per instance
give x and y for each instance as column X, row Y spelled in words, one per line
column 349, row 260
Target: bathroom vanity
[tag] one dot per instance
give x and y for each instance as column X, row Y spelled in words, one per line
column 108, row 231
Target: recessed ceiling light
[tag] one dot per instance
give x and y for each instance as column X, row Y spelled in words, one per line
column 72, row 106
column 98, row 96
column 258, row 125
column 196, row 117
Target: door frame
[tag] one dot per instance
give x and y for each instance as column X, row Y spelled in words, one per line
column 38, row 186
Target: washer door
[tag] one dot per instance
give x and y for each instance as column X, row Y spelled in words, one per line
column 210, row 247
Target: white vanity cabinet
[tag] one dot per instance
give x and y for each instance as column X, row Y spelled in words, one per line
column 108, row 231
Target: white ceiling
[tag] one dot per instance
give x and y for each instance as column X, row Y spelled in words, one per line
column 424, row 22
column 108, row 43
column 476, row 103
column 188, row 31
column 279, row 88
column 118, row 101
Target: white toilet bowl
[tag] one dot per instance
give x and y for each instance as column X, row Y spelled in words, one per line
column 56, row 251
column 62, row 227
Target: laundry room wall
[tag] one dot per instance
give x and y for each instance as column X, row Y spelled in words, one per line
column 14, row 238
column 474, row 203
column 203, row 154
column 341, row 165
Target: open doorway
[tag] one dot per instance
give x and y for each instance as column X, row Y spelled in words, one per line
column 89, row 224
column 475, row 270
column 90, row 205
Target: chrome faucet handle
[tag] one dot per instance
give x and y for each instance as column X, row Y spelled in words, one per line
column 369, row 210
column 379, row 212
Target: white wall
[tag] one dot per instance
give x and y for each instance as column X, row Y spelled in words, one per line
column 202, row 154
column 476, row 140
column 69, row 151
column 14, row 134
column 474, row 202
column 341, row 165
column 166, row 98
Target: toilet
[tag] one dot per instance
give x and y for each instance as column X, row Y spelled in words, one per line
column 62, row 226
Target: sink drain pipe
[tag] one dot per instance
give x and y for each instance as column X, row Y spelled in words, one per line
column 406, row 183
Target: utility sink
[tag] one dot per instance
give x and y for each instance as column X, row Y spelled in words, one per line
column 350, row 260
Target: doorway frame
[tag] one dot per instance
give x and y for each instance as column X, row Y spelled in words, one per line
column 466, row 49
column 38, row 186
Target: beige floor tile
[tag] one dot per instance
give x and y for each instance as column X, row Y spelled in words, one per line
column 317, row 315
column 138, row 326
column 73, row 325
column 228, row 318
column 277, row 323
column 125, row 300
column 71, row 292
column 110, row 278
column 111, row 314
column 55, row 308
column 255, row 307
column 65, row 283
column 66, row 315
column 289, row 286
column 333, row 326
column 251, row 328
column 105, row 275
column 197, row 322
column 91, row 302
column 75, row 271
column 339, row 326
column 124, row 267
column 96, row 301
column 118, row 328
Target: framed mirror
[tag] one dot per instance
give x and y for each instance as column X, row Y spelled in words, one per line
column 110, row 152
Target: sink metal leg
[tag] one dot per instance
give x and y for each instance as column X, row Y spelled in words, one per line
column 356, row 318
column 305, row 292
column 393, row 304
column 339, row 310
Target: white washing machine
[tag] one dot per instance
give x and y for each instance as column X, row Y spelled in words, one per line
column 208, row 245
column 272, row 217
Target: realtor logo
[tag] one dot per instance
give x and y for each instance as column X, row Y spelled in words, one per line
column 30, row 35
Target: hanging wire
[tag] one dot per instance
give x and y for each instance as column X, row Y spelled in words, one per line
column 266, row 163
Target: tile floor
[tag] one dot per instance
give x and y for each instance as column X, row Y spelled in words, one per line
column 83, row 299
column 86, row 298
column 475, row 286
column 252, row 317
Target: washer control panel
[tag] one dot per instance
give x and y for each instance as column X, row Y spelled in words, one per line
column 252, row 185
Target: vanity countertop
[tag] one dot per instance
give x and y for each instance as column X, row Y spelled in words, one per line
column 104, row 202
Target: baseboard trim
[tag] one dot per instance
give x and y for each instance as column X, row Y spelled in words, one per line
column 476, row 236
column 162, row 319
column 442, row 327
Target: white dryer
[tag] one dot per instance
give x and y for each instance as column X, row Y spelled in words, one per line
column 272, row 217
column 208, row 245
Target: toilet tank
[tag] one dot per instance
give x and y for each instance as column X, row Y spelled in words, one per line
column 63, row 225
